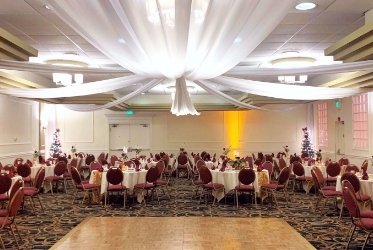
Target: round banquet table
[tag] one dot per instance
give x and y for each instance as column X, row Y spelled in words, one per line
column 49, row 170
column 209, row 164
column 229, row 179
column 130, row 179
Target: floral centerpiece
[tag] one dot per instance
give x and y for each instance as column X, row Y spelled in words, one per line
column 239, row 164
column 182, row 149
column 318, row 155
column 36, row 155
column 225, row 153
column 286, row 148
column 73, row 149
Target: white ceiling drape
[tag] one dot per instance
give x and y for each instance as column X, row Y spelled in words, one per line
column 284, row 91
column 181, row 40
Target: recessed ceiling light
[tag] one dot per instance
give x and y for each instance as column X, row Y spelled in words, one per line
column 305, row 6
column 143, row 93
column 67, row 63
column 293, row 62
column 47, row 7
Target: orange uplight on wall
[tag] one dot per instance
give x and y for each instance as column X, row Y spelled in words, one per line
column 231, row 126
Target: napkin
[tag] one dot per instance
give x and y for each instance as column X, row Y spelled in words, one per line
column 100, row 169
column 260, row 168
column 213, row 167
column 172, row 155
column 47, row 163
column 137, row 169
column 213, row 159
column 69, row 157
column 222, row 169
column 146, row 167
column 149, row 160
column 365, row 175
column 309, row 163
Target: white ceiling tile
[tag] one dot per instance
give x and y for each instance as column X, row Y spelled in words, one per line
column 15, row 6
column 312, row 29
column 266, row 46
column 301, row 38
column 351, row 6
column 262, row 52
column 298, row 18
column 337, row 18
column 18, row 20
column 61, row 47
column 40, row 30
column 78, row 40
column 298, row 46
column 67, row 30
column 12, row 30
column 273, row 38
column 349, row 29
column 283, row 29
column 51, row 39
column 103, row 61
column 88, row 47
column 96, row 55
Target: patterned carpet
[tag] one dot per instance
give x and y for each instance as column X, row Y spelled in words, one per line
column 43, row 230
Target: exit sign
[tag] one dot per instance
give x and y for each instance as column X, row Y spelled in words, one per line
column 129, row 112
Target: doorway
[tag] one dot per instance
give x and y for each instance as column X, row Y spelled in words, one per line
column 339, row 139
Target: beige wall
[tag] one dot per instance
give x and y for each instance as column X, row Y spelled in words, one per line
column 244, row 131
column 19, row 126
column 356, row 156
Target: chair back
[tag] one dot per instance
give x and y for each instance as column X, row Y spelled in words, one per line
column 18, row 184
column 246, row 176
column 304, row 155
column 182, row 159
column 268, row 166
column 280, row 155
column 89, row 159
column 190, row 172
column 260, row 155
column 62, row 158
column 298, row 168
column 353, row 180
column 60, row 168
column 207, row 157
column 95, row 165
column 136, row 161
column 114, row 176
column 249, row 160
column 333, row 169
column 316, row 181
column 10, row 169
column 5, row 183
column 254, row 158
column 24, row 170
column 205, row 175
column 268, row 158
column 74, row 162
column 160, row 165
column 351, row 202
column 16, row 202
column 196, row 159
column 166, row 160
column 161, row 154
column 76, row 177
column 319, row 176
column 295, row 158
column 101, row 157
column 275, row 167
column 152, row 175
column 113, row 159
column 284, row 176
column 157, row 157
column 17, row 161
column 258, row 161
column 81, row 155
column 130, row 164
column 343, row 161
column 39, row 178
column 365, row 165
column 282, row 163
column 352, row 167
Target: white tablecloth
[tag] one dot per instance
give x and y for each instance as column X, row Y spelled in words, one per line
column 230, row 180
column 49, row 170
column 130, row 179
column 209, row 164
column 365, row 185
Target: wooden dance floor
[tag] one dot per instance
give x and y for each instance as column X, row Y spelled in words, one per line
column 182, row 233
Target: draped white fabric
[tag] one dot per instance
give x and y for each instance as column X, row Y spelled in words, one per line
column 182, row 105
column 184, row 40
column 78, row 89
column 146, row 87
column 206, row 86
column 313, row 70
column 284, row 91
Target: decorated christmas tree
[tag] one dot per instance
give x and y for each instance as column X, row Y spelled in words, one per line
column 56, row 144
column 307, row 146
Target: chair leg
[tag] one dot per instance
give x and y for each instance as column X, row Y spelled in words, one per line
column 317, row 202
column 14, row 223
column 2, row 243
column 155, row 189
column 125, row 197
column 348, row 231
column 352, row 234
column 340, row 213
column 14, row 236
column 41, row 204
column 85, row 193
column 168, row 193
column 64, row 185
column 76, row 192
column 50, row 184
column 105, row 197
column 274, row 197
column 200, row 197
column 236, row 197
column 366, row 240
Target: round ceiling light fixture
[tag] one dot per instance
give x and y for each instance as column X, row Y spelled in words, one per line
column 70, row 63
column 305, row 6
column 293, row 62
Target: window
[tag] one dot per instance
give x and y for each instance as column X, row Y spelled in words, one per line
column 322, row 123
column 360, row 120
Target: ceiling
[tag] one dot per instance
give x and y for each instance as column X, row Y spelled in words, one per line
column 307, row 32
